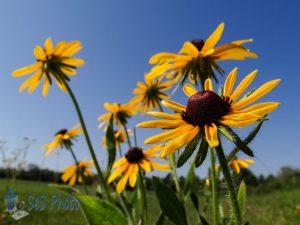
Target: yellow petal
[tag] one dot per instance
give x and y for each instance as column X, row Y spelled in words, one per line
column 238, row 124
column 48, row 46
column 211, row 134
column 243, row 85
column 260, row 92
column 240, row 42
column 46, row 87
column 71, row 49
column 39, row 53
column 173, row 105
column 68, row 71
column 213, row 38
column 145, row 164
column 165, row 115
column 235, row 166
column 26, row 70
column 117, row 172
column 208, row 86
column 170, row 134
column 159, row 166
column 161, row 124
column 73, row 62
column 230, row 81
column 35, row 81
column 133, row 174
column 122, row 183
column 189, row 90
column 237, row 53
column 180, row 141
column 72, row 180
column 161, row 57
column 59, row 48
column 189, row 49
column 152, row 151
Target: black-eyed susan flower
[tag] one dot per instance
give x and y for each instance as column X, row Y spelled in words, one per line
column 150, row 93
column 75, row 172
column 206, row 111
column 120, row 137
column 197, row 59
column 134, row 160
column 63, row 138
column 120, row 113
column 237, row 164
column 53, row 63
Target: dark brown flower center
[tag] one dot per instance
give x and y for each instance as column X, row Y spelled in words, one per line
column 62, row 132
column 198, row 44
column 134, row 155
column 205, row 107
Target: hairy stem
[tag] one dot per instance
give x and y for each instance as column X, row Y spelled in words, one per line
column 214, row 187
column 231, row 190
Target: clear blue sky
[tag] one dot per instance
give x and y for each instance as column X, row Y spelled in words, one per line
column 118, row 39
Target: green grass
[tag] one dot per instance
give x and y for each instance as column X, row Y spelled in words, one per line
column 277, row 208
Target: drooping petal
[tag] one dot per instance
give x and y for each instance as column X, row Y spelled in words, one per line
column 145, row 164
column 180, row 141
column 159, row 166
column 117, row 172
column 211, row 134
column 27, row 69
column 46, row 87
column 133, row 174
column 73, row 62
column 170, row 134
column 122, row 183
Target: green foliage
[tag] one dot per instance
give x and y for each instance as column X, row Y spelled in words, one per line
column 242, row 198
column 188, row 151
column 101, row 212
column 190, row 181
column 233, row 137
column 110, row 145
column 169, row 203
column 66, row 188
column 202, row 153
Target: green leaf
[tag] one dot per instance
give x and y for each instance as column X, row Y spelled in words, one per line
column 195, row 200
column 110, row 145
column 188, row 151
column 65, row 188
column 161, row 219
column 190, row 181
column 242, row 198
column 101, row 212
column 202, row 153
column 203, row 220
column 233, row 137
column 169, row 203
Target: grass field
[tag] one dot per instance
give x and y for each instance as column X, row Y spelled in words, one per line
column 276, row 208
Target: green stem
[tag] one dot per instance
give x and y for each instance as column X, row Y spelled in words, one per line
column 174, row 170
column 128, row 215
column 89, row 143
column 120, row 151
column 79, row 169
column 127, row 135
column 231, row 190
column 214, row 187
column 143, row 199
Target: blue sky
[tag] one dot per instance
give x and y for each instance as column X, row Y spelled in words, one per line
column 118, row 39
